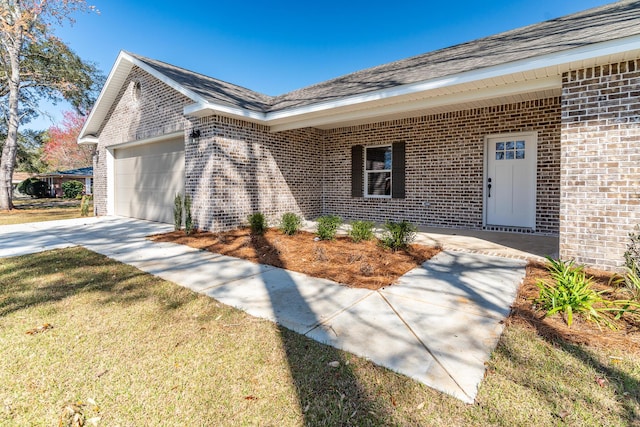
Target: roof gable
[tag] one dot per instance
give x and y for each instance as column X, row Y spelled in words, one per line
column 569, row 40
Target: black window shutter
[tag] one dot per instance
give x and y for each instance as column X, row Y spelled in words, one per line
column 357, row 164
column 397, row 170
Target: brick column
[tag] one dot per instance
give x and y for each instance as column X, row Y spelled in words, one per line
column 600, row 163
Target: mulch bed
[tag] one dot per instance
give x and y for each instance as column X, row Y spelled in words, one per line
column 361, row 265
column 554, row 328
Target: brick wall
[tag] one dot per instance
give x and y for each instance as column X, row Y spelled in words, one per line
column 444, row 165
column 600, row 180
column 237, row 168
column 154, row 111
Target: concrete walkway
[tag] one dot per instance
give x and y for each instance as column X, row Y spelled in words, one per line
column 438, row 325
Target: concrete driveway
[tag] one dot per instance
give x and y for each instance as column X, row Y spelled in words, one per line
column 437, row 325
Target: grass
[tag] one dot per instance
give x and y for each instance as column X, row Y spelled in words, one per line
column 36, row 210
column 133, row 349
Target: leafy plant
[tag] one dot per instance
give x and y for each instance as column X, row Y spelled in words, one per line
column 84, row 205
column 177, row 212
column 328, row 226
column 632, row 281
column 71, row 189
column 398, row 235
column 290, row 223
column 188, row 219
column 571, row 292
column 632, row 254
column 257, row 223
column 34, row 187
column 361, row 230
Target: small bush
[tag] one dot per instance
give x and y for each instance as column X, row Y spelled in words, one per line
column 177, row 212
column 34, row 187
column 188, row 219
column 328, row 226
column 84, row 205
column 571, row 292
column 632, row 254
column 290, row 223
column 257, row 223
column 397, row 235
column 72, row 189
column 361, row 230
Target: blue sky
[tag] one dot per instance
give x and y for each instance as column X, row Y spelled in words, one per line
column 274, row 46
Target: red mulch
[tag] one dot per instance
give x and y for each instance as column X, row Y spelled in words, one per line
column 362, row 265
column 554, row 328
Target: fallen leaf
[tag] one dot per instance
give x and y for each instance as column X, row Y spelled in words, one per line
column 250, row 398
column 615, row 359
column 601, row 381
column 39, row 329
column 563, row 414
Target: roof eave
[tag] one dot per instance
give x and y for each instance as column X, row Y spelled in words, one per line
column 320, row 113
column 204, row 109
column 120, row 71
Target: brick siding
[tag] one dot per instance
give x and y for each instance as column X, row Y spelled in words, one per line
column 155, row 112
column 237, row 168
column 600, row 179
column 444, row 165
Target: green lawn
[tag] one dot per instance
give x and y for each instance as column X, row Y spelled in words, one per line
column 35, row 210
column 126, row 348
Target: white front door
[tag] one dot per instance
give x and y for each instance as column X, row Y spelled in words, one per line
column 510, row 180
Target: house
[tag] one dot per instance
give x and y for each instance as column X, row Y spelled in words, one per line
column 55, row 180
column 535, row 130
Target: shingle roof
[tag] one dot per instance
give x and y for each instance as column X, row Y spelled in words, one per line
column 88, row 171
column 605, row 23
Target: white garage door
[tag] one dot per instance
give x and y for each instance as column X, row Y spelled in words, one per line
column 147, row 179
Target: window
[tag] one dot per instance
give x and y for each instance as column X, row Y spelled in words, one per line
column 510, row 150
column 378, row 171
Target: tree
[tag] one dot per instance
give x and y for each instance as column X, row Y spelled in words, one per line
column 61, row 149
column 29, row 152
column 35, row 65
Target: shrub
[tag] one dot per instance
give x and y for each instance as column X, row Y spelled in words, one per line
column 632, row 254
column 361, row 230
column 177, row 212
column 188, row 219
column 397, row 235
column 72, row 189
column 328, row 226
column 290, row 223
column 257, row 223
column 34, row 187
column 84, row 205
column 571, row 292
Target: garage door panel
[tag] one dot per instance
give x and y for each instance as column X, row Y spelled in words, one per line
column 147, row 179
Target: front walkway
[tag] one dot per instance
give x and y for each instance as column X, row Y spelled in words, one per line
column 437, row 325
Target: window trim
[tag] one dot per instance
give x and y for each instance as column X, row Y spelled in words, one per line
column 368, row 171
